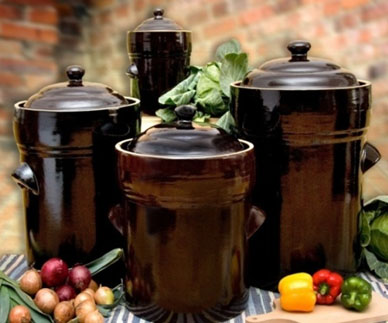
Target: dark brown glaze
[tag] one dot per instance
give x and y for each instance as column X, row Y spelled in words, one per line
column 162, row 59
column 185, row 222
column 73, row 165
column 309, row 146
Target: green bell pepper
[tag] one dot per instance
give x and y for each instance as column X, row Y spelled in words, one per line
column 356, row 293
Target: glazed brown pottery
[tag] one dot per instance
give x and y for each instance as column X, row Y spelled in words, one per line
column 186, row 221
column 159, row 52
column 66, row 135
column 307, row 119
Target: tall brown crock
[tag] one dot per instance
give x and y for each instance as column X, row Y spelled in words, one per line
column 66, row 135
column 159, row 52
column 185, row 219
column 308, row 119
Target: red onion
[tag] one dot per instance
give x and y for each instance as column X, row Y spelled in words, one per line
column 65, row 293
column 54, row 272
column 80, row 277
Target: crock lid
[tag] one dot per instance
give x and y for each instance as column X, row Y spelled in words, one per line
column 299, row 71
column 184, row 138
column 158, row 23
column 75, row 95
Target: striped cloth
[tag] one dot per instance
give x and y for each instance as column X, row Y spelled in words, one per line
column 260, row 301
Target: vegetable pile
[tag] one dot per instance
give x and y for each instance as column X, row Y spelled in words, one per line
column 373, row 236
column 300, row 292
column 208, row 87
column 68, row 295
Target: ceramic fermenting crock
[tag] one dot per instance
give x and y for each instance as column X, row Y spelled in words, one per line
column 186, row 219
column 308, row 119
column 66, row 135
column 159, row 52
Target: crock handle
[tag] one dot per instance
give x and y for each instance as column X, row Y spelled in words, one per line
column 255, row 220
column 25, row 178
column 115, row 216
column 369, row 156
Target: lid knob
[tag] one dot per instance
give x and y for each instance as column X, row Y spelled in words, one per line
column 158, row 13
column 75, row 74
column 185, row 114
column 299, row 49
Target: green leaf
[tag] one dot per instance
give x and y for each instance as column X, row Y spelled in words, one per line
column 231, row 46
column 364, row 227
column 183, row 92
column 233, row 68
column 166, row 114
column 379, row 267
column 227, row 123
column 105, row 261
column 5, row 304
column 209, row 94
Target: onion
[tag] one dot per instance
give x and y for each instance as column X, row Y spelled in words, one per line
column 46, row 299
column 65, row 293
column 80, row 277
column 93, row 285
column 19, row 314
column 30, row 282
column 89, row 291
column 64, row 312
column 82, row 297
column 54, row 272
column 104, row 296
column 94, row 317
column 84, row 309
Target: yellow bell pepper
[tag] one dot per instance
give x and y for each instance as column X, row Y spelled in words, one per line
column 297, row 293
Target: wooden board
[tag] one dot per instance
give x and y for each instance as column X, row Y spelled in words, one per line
column 377, row 311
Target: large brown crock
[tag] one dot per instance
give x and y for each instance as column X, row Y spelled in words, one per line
column 185, row 219
column 66, row 135
column 159, row 52
column 308, row 119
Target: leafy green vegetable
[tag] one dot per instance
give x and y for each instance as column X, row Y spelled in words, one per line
column 227, row 123
column 5, row 304
column 207, row 87
column 232, row 46
column 373, row 235
column 105, row 261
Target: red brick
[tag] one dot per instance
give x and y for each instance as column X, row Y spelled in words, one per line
column 10, row 12
column 47, row 16
column 251, row 16
column 18, row 31
column 198, row 16
column 32, row 2
column 10, row 79
column 286, row 5
column 220, row 9
column 123, row 11
column 350, row 4
column 331, row 8
column 35, row 82
column 140, row 4
column 20, row 66
column 220, row 28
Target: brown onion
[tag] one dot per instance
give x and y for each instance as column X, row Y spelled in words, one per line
column 93, row 285
column 19, row 314
column 104, row 296
column 94, row 317
column 30, row 282
column 89, row 291
column 64, row 312
column 84, row 309
column 82, row 297
column 46, row 300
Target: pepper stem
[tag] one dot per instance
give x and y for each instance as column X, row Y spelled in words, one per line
column 352, row 298
column 324, row 289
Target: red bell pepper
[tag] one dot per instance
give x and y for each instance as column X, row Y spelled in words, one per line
column 327, row 285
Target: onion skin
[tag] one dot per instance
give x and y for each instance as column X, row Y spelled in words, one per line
column 54, row 272
column 93, row 285
column 65, row 293
column 46, row 300
column 64, row 312
column 82, row 297
column 94, row 317
column 84, row 308
column 89, row 291
column 104, row 296
column 80, row 277
column 19, row 314
column 30, row 282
